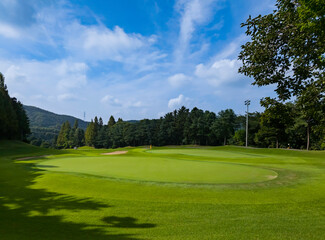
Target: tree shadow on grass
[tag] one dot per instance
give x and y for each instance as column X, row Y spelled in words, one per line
column 23, row 210
column 126, row 222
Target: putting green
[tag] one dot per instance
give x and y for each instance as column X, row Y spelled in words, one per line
column 154, row 168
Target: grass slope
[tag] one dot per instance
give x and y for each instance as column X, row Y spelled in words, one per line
column 48, row 204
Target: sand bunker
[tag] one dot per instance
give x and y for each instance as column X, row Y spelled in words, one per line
column 115, row 153
column 27, row 158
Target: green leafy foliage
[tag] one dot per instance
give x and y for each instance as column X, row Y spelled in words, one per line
column 286, row 48
column 276, row 118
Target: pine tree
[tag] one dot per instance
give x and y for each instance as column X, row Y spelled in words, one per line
column 63, row 140
column 111, row 122
column 90, row 134
column 78, row 138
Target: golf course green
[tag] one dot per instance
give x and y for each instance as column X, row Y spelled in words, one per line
column 151, row 168
column 175, row 192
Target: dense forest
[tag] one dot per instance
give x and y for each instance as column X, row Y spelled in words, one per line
column 14, row 123
column 280, row 125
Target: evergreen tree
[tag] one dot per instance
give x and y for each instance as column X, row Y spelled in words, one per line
column 79, row 138
column 75, row 125
column 111, row 122
column 90, row 134
column 23, row 121
column 63, row 140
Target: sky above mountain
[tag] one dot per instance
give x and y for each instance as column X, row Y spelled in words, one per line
column 133, row 59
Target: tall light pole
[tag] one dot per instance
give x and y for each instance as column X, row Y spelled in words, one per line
column 247, row 103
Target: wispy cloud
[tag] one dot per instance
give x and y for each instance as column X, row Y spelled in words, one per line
column 194, row 13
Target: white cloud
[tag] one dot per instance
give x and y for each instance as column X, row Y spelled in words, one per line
column 51, row 79
column 8, row 31
column 99, row 42
column 177, row 102
column 14, row 74
column 71, row 75
column 220, row 72
column 57, row 28
column 108, row 99
column 177, row 80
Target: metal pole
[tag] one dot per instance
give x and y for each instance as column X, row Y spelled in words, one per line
column 247, row 102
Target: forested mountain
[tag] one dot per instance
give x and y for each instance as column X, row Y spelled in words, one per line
column 45, row 126
column 42, row 118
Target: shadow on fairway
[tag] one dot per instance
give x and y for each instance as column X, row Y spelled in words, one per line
column 126, row 222
column 23, row 210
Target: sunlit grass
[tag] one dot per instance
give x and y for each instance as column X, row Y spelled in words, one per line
column 43, row 203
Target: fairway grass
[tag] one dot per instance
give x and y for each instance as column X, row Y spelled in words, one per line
column 164, row 193
column 151, row 168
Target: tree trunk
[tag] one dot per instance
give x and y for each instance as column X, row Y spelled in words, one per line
column 277, row 143
column 308, row 137
column 224, row 142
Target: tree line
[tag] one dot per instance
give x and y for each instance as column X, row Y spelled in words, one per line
column 280, row 125
column 179, row 127
column 14, row 123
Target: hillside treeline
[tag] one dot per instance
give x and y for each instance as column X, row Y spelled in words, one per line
column 280, row 125
column 45, row 126
column 14, row 123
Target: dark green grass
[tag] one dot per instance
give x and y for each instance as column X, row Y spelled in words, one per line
column 45, row 204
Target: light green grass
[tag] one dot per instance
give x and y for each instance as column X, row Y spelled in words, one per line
column 83, row 201
column 158, row 169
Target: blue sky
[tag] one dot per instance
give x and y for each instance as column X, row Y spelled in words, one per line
column 133, row 59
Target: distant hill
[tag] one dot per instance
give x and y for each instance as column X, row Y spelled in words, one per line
column 45, row 125
column 42, row 118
